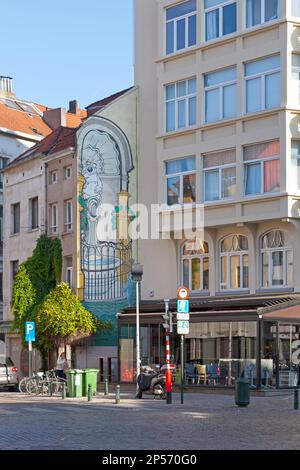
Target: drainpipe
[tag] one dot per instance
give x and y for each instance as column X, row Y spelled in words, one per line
column 46, row 199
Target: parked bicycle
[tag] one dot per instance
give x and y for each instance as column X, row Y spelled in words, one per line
column 43, row 383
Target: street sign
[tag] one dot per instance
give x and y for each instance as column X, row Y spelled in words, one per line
column 183, row 327
column 183, row 293
column 30, row 331
column 183, row 306
column 183, row 316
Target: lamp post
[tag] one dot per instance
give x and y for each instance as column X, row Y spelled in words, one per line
column 137, row 274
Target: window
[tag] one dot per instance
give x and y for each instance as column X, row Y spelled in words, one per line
column 15, row 218
column 295, row 147
column 260, row 11
column 68, row 215
column 220, row 18
column 1, row 287
column 69, row 271
column 295, row 8
column 53, row 177
column 219, row 175
column 68, row 172
column 195, row 265
column 220, row 95
column 181, row 104
column 34, row 213
column 296, row 77
column 14, row 269
column 181, row 27
column 262, row 84
column 3, row 163
column 234, row 269
column 276, row 260
column 53, row 218
column 181, row 181
column 262, row 168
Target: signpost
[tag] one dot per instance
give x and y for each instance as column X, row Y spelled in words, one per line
column 30, row 337
column 183, row 325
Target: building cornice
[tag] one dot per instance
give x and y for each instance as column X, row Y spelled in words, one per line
column 23, row 135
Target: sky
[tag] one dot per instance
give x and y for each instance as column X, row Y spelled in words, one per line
column 61, row 50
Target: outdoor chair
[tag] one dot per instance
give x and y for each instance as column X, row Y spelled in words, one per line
column 213, row 371
column 201, row 373
column 190, row 373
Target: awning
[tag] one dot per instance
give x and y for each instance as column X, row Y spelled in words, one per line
column 289, row 314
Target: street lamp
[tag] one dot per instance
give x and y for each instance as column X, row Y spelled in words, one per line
column 137, row 274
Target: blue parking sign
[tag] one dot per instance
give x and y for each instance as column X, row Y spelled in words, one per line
column 30, row 331
column 183, row 306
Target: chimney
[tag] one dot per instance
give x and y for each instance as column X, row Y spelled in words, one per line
column 73, row 107
column 55, row 118
column 6, row 87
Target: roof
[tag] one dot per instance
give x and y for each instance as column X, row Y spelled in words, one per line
column 97, row 105
column 60, row 139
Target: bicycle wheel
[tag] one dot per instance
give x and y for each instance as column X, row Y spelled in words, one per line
column 56, row 387
column 32, row 387
column 23, row 385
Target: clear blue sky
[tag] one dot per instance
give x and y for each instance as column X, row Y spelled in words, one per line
column 59, row 50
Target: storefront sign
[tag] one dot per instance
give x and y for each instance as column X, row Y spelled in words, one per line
column 183, row 316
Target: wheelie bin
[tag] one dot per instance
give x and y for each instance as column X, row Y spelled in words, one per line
column 89, row 377
column 242, row 392
column 74, row 379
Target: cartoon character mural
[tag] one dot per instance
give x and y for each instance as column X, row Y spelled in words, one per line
column 105, row 164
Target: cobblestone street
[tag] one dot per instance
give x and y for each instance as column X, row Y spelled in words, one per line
column 203, row 422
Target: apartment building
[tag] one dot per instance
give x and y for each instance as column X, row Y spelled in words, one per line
column 220, row 127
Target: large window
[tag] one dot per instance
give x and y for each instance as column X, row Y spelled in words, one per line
column 295, row 8
column 220, row 94
column 296, row 163
column 262, row 168
column 220, row 18
column 181, row 27
column 219, row 175
column 260, row 11
column 296, row 77
column 181, row 181
column 234, row 268
column 34, row 213
column 262, row 84
column 276, row 260
column 195, row 265
column 181, row 104
column 15, row 218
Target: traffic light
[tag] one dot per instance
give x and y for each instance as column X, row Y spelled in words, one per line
column 168, row 321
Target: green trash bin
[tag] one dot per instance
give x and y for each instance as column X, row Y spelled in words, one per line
column 242, row 392
column 74, row 379
column 89, row 377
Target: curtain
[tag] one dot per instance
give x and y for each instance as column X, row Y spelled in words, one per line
column 271, row 176
column 295, row 7
column 253, row 178
column 212, row 185
column 253, row 12
column 212, row 25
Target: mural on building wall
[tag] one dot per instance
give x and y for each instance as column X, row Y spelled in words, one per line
column 104, row 168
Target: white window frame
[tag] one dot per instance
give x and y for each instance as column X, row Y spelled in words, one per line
column 13, row 221
column 53, row 228
column 68, row 223
column 220, row 169
column 186, row 98
column 296, row 161
column 175, row 21
column 262, row 15
column 66, row 170
column 228, row 255
column 53, row 177
column 262, row 76
column 220, row 8
column 181, row 176
column 296, row 78
column 69, row 275
column 261, row 161
column 201, row 257
column 285, row 250
column 219, row 86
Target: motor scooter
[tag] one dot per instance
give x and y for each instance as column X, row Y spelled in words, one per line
column 151, row 382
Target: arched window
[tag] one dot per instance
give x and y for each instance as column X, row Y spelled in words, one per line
column 195, row 265
column 276, row 259
column 234, row 269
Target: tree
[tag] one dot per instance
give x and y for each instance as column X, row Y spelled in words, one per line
column 62, row 320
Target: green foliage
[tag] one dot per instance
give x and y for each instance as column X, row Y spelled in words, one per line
column 24, row 299
column 62, row 318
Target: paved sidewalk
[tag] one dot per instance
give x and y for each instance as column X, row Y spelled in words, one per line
column 203, row 422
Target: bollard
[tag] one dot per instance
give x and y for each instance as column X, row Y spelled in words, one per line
column 118, row 394
column 49, row 388
column 106, row 387
column 296, row 400
column 90, row 392
column 63, row 391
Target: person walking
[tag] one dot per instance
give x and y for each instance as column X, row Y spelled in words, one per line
column 61, row 366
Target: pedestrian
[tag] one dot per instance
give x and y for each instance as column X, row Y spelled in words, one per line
column 61, row 366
